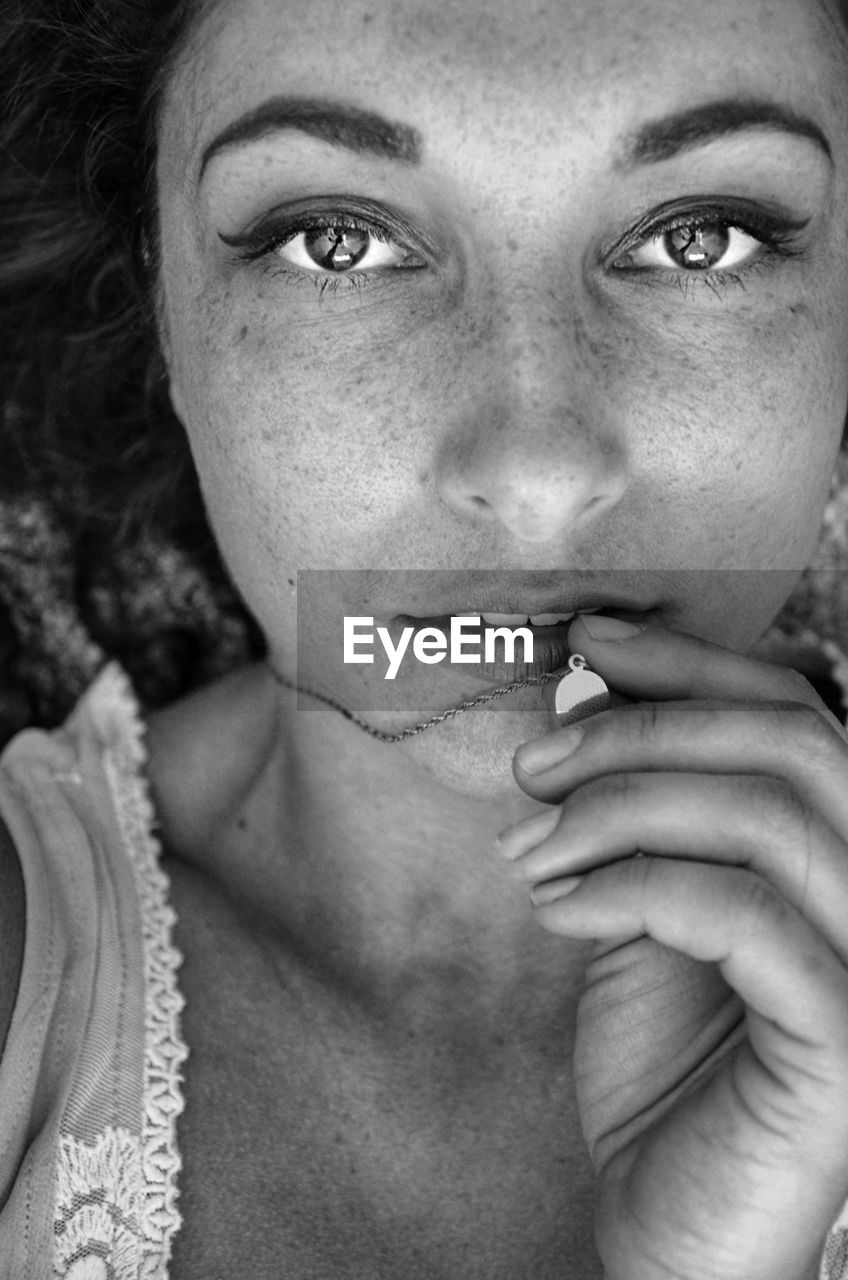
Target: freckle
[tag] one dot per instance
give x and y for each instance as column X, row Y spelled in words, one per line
column 242, row 824
column 243, row 333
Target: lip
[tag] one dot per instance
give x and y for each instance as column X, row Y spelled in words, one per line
column 550, row 644
column 514, row 600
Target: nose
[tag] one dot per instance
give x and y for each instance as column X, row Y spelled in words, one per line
column 536, row 451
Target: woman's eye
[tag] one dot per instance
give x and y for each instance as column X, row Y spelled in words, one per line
column 712, row 246
column 341, row 250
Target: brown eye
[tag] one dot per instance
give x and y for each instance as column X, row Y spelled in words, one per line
column 698, row 248
column 336, row 248
column 340, row 249
column 710, row 247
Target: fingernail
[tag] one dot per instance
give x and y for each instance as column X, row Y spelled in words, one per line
column 601, row 628
column 553, row 890
column 527, row 834
column 544, row 753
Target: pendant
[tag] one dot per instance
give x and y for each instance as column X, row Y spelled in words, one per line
column 580, row 693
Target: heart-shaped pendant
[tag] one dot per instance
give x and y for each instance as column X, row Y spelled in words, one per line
column 580, row 693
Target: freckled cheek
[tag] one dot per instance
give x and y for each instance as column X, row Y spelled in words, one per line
column 744, row 410
column 335, row 415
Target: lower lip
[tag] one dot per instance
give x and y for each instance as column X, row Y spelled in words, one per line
column 550, row 651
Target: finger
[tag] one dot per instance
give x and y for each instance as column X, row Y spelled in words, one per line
column 755, row 822
column 788, row 740
column 653, row 663
column 793, row 983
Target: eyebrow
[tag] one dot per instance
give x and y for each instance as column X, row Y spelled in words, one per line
column 663, row 139
column 365, row 132
column 339, row 123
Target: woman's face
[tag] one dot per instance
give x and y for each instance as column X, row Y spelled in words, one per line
column 528, row 294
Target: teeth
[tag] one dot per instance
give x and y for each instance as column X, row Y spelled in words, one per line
column 505, row 619
column 521, row 619
column 536, row 619
column 549, row 619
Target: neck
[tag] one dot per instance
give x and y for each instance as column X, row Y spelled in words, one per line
column 377, row 871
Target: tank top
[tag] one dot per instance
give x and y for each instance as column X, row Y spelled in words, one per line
column 90, row 1079
column 90, row 1075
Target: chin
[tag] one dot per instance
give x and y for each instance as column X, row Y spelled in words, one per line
column 472, row 753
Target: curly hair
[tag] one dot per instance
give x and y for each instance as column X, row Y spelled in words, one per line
column 98, row 494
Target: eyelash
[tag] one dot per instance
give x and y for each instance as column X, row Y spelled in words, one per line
column 263, row 242
column 777, row 235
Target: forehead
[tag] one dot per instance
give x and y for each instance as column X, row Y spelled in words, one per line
column 565, row 67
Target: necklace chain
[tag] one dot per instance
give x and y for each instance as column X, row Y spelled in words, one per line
column 381, row 736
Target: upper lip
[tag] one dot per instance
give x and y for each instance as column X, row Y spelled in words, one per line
column 530, row 607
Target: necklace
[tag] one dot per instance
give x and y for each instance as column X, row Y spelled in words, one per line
column 381, row 736
column 572, row 700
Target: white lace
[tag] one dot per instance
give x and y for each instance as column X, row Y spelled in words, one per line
column 122, row 1190
column 97, row 1211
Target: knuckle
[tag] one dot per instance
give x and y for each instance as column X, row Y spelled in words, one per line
column 800, row 727
column 639, row 725
column 648, row 720
column 776, row 802
column 647, row 873
column 759, row 902
column 614, row 789
column 609, row 792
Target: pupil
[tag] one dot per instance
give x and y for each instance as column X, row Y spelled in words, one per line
column 336, row 248
column 698, row 248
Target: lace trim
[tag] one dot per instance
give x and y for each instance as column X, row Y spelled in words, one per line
column 97, row 1231
column 125, row 756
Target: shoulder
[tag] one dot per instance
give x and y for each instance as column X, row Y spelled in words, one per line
column 12, row 929
column 205, row 753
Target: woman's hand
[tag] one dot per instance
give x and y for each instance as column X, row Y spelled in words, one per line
column 712, row 1043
